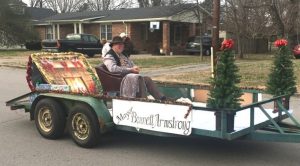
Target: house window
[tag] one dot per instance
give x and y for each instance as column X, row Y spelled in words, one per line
column 177, row 34
column 106, row 32
column 209, row 31
column 49, row 32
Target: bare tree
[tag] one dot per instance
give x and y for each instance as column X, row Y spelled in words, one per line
column 285, row 15
column 37, row 3
column 15, row 27
column 143, row 3
column 234, row 21
column 98, row 5
column 247, row 19
column 64, row 6
column 152, row 3
column 198, row 14
column 156, row 2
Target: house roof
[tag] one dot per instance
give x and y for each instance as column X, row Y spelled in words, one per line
column 17, row 2
column 39, row 13
column 160, row 12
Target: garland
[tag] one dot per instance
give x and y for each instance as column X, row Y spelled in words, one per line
column 94, row 77
column 29, row 74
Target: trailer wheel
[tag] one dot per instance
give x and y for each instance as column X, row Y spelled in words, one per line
column 83, row 126
column 49, row 118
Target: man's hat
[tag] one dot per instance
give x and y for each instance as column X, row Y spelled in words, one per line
column 116, row 40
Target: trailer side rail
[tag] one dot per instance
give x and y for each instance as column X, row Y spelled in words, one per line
column 259, row 131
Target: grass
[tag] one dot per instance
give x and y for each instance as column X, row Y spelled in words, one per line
column 254, row 71
column 14, row 53
column 154, row 62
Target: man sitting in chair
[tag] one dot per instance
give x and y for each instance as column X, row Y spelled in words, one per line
column 133, row 84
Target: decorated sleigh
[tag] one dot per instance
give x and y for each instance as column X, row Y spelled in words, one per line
column 67, row 93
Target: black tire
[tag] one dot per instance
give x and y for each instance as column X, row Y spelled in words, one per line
column 83, row 126
column 50, row 118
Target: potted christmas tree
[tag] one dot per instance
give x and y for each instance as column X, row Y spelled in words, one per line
column 281, row 79
column 224, row 92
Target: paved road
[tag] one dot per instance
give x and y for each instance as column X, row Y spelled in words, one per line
column 20, row 143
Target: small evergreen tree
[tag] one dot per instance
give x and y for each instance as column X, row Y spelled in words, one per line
column 224, row 92
column 282, row 79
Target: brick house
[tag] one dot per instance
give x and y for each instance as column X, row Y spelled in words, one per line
column 165, row 28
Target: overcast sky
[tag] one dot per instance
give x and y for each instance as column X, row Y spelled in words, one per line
column 26, row 1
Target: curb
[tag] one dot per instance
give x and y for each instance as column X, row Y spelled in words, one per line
column 13, row 66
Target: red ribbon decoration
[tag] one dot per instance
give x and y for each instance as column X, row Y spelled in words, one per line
column 227, row 44
column 281, row 42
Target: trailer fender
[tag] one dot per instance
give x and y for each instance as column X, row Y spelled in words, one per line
column 68, row 101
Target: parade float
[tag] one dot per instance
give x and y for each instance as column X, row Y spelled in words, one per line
column 67, row 93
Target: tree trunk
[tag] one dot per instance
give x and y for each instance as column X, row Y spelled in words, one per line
column 156, row 2
column 277, row 19
column 240, row 46
column 143, row 3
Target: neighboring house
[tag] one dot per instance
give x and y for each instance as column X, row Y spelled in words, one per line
column 151, row 29
column 37, row 14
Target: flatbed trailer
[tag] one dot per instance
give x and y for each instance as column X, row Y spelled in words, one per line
column 252, row 122
column 87, row 116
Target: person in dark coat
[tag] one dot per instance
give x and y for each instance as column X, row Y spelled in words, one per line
column 118, row 63
column 128, row 45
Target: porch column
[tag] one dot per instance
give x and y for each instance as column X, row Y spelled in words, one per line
column 58, row 32
column 75, row 28
column 166, row 37
column 80, row 28
column 53, row 31
column 192, row 31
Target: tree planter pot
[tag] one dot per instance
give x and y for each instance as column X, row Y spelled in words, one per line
column 230, row 121
column 285, row 103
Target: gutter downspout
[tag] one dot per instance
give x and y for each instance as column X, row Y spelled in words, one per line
column 126, row 28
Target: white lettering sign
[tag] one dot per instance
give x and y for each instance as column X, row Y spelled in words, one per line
column 153, row 116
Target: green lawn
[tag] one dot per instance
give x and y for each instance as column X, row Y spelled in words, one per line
column 254, row 72
column 154, row 62
column 14, row 53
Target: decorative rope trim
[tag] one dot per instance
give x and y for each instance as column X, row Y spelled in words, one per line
column 29, row 74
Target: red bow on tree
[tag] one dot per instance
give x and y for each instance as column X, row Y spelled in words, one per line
column 280, row 42
column 227, row 44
